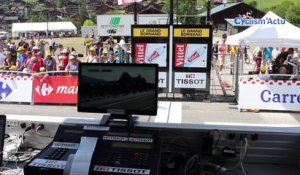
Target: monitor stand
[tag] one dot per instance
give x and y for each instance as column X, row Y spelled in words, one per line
column 118, row 120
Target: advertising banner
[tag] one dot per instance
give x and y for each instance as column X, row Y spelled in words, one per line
column 150, row 45
column 269, row 95
column 55, row 89
column 114, row 25
column 153, row 19
column 190, row 80
column 16, row 89
column 191, row 55
column 151, row 53
column 162, row 79
column 192, row 58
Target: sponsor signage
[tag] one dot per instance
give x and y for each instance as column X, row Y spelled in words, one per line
column 128, row 139
column 162, row 79
column 150, row 32
column 192, row 58
column 55, row 89
column 190, row 80
column 16, row 89
column 153, row 19
column 155, row 53
column 191, row 32
column 65, row 145
column 121, row 170
column 191, row 55
column 46, row 163
column 269, row 94
column 95, row 128
column 114, row 25
column 239, row 21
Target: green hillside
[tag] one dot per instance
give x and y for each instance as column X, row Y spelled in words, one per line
column 263, row 4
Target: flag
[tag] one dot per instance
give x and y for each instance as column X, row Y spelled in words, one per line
column 122, row 2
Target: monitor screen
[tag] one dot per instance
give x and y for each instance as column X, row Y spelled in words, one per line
column 2, row 133
column 123, row 89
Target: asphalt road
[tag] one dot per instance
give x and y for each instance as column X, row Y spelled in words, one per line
column 177, row 112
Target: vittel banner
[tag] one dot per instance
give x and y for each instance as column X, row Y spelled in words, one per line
column 191, row 58
column 150, row 45
column 190, row 55
column 151, row 53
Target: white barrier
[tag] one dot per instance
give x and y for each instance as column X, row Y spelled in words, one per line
column 16, row 88
column 269, row 94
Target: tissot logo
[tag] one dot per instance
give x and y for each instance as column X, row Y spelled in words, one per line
column 190, row 75
column 44, row 90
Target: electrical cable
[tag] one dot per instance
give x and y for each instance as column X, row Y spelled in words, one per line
column 41, row 135
column 243, row 153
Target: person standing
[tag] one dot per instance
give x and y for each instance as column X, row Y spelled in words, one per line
column 222, row 54
column 267, row 54
column 49, row 62
column 87, row 43
column 51, row 44
column 92, row 57
column 72, row 66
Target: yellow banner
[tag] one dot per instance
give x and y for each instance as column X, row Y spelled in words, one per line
column 192, row 32
column 150, row 32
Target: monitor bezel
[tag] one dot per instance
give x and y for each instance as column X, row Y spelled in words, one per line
column 126, row 112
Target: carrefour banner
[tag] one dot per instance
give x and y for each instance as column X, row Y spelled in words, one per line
column 55, row 89
column 269, row 94
column 15, row 88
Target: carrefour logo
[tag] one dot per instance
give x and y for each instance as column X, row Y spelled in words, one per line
column 115, row 21
column 44, row 90
column 5, row 90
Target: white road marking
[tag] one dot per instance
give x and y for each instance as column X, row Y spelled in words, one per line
column 162, row 112
column 175, row 112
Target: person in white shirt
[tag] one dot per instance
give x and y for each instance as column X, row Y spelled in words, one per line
column 92, row 57
column 2, row 60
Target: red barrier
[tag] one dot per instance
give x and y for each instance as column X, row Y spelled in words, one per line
column 55, row 89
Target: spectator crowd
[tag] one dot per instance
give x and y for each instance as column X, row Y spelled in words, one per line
column 45, row 55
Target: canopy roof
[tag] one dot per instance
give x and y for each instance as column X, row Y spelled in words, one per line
column 283, row 34
column 42, row 26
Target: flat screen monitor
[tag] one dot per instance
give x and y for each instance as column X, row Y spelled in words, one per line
column 120, row 89
column 2, row 133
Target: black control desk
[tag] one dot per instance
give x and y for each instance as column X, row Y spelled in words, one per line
column 86, row 149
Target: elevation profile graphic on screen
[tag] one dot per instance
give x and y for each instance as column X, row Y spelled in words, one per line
column 191, row 55
column 120, row 89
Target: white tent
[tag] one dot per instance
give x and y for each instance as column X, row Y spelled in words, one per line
column 267, row 33
column 42, row 27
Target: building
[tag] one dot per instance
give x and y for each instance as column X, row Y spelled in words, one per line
column 103, row 9
column 71, row 8
column 230, row 10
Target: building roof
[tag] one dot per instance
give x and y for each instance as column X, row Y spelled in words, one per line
column 220, row 8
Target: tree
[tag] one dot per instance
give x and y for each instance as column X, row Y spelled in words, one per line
column 253, row 4
column 58, row 3
column 88, row 22
column 83, row 13
column 187, row 10
column 93, row 17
